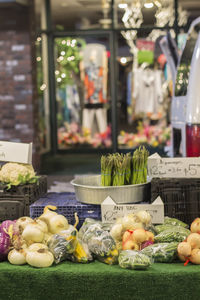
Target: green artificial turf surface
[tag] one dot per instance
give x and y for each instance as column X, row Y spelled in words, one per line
column 99, row 281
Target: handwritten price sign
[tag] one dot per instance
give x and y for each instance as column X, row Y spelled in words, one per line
column 173, row 167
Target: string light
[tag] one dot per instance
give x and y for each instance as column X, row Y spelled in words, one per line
column 43, row 87
column 39, row 39
column 38, row 58
column 123, row 60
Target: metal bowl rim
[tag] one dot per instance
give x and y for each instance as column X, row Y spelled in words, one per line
column 106, row 187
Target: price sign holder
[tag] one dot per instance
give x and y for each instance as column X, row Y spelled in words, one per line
column 16, row 152
column 110, row 211
column 173, row 167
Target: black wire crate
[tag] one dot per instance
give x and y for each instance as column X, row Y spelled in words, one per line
column 15, row 202
column 181, row 197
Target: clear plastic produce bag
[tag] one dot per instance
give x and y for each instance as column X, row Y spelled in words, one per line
column 135, row 260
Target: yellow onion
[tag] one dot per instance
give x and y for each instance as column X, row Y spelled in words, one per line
column 184, row 249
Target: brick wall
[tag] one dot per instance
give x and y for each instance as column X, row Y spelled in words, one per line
column 18, row 102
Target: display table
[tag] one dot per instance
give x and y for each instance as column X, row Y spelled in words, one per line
column 96, row 280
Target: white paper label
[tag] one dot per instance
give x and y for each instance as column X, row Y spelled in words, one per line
column 173, row 167
column 16, row 152
column 110, row 211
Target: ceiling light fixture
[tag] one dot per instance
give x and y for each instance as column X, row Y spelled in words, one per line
column 148, row 4
column 122, row 4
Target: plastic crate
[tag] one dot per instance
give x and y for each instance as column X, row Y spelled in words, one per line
column 15, row 202
column 67, row 205
column 181, row 197
column 13, row 207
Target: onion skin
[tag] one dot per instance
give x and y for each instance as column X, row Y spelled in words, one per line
column 40, row 259
column 17, row 257
column 184, row 249
column 37, row 246
column 194, row 240
column 32, row 233
column 195, row 226
column 146, row 244
column 22, row 222
column 195, row 256
column 58, row 223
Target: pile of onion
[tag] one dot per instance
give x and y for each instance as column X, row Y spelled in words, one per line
column 189, row 250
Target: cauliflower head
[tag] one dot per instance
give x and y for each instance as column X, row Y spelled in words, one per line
column 17, row 173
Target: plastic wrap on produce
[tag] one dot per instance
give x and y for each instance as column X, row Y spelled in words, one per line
column 130, row 259
column 162, row 252
column 99, row 241
column 174, row 234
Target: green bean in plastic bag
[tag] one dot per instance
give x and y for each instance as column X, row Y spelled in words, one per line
column 134, row 260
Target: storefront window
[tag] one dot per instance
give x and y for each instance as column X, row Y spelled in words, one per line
column 82, row 92
column 145, row 85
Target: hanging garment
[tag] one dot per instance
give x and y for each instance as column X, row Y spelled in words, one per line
column 94, row 67
column 73, row 103
column 147, row 90
column 89, row 115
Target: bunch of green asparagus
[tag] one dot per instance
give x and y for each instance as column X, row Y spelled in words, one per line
column 122, row 169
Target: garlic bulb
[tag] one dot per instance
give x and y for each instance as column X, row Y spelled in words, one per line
column 58, row 223
column 22, row 222
column 17, row 257
column 37, row 246
column 41, row 258
column 33, row 233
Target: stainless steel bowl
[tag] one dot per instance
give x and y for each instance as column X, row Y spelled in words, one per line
column 88, row 189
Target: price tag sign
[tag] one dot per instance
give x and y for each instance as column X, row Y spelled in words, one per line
column 16, row 152
column 110, row 211
column 177, row 167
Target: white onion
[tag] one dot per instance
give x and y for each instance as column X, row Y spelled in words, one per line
column 143, row 217
column 42, row 225
column 17, row 257
column 37, row 246
column 33, row 233
column 22, row 222
column 58, row 223
column 40, row 259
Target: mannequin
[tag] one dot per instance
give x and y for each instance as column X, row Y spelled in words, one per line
column 94, row 75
